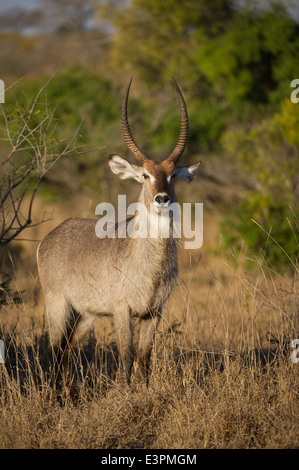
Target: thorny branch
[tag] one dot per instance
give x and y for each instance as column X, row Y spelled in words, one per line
column 28, row 150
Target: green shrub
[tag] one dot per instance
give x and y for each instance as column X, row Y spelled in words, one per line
column 269, row 229
column 82, row 102
column 265, row 218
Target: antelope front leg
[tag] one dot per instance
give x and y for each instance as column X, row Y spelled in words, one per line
column 148, row 326
column 123, row 327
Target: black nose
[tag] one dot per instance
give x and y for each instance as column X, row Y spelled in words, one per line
column 161, row 199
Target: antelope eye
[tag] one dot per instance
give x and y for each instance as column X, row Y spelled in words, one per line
column 145, row 176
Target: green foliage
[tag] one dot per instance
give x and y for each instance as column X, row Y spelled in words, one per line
column 157, row 38
column 252, row 62
column 288, row 122
column 269, row 229
column 236, row 59
column 80, row 98
column 82, row 101
column 266, row 216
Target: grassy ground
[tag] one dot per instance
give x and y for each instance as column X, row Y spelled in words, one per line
column 242, row 406
column 222, row 375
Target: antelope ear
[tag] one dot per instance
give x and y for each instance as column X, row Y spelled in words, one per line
column 186, row 173
column 123, row 169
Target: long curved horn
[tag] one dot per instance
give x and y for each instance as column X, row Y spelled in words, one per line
column 182, row 141
column 138, row 154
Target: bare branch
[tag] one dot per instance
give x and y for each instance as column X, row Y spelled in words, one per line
column 31, row 151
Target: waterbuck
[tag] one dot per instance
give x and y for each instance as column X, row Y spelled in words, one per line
column 84, row 277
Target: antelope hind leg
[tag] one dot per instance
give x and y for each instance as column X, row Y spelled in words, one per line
column 123, row 327
column 148, row 327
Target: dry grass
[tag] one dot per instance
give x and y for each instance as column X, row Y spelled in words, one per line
column 187, row 405
column 218, row 379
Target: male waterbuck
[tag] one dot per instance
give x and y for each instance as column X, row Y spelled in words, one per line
column 84, row 277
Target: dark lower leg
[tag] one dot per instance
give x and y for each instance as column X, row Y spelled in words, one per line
column 148, row 328
column 124, row 332
column 61, row 352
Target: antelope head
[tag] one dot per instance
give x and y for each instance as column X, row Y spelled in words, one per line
column 157, row 178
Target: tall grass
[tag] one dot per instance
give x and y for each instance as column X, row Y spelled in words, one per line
column 222, row 375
